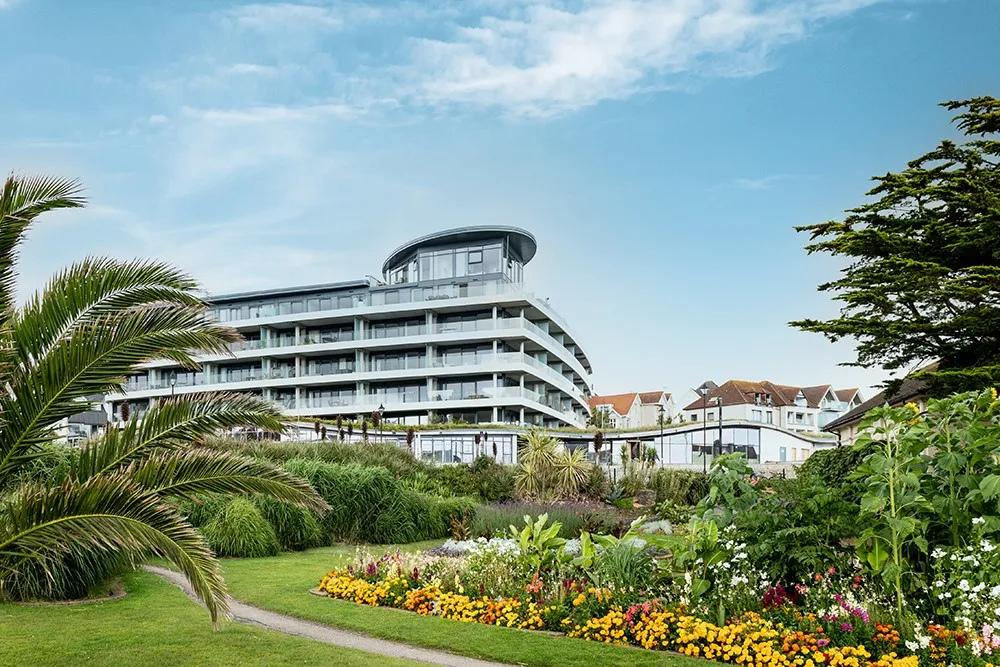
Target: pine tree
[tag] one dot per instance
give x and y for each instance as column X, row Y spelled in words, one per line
column 923, row 280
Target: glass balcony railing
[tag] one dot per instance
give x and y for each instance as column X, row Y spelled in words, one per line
column 481, row 360
column 399, row 400
column 383, row 297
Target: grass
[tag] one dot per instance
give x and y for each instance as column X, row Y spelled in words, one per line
column 282, row 584
column 155, row 624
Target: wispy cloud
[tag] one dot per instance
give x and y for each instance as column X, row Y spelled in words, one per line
column 542, row 58
column 526, row 58
column 273, row 113
column 284, row 15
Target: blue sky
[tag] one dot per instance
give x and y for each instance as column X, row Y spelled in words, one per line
column 661, row 151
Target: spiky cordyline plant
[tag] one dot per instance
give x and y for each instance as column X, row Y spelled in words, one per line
column 82, row 335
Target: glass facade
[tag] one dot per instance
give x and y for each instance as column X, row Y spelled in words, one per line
column 469, row 261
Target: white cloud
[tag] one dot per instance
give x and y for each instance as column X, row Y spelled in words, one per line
column 272, row 113
column 542, row 59
column 283, row 15
column 158, row 119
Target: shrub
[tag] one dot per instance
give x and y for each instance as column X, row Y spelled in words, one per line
column 200, row 512
column 681, row 487
column 241, row 531
column 597, row 485
column 295, row 527
column 368, row 504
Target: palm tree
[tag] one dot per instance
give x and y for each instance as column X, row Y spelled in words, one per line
column 571, row 469
column 115, row 504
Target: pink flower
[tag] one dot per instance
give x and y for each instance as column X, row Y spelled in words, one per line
column 822, row 642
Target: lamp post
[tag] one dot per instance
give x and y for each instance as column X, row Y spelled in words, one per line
column 659, row 407
column 173, row 382
column 704, row 389
column 381, row 409
column 718, row 401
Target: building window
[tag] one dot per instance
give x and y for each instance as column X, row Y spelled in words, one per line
column 694, row 416
column 782, row 454
column 770, row 417
column 710, row 416
column 756, row 415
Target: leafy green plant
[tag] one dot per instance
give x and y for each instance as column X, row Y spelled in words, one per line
column 960, row 439
column 241, row 531
column 670, row 511
column 540, row 545
column 798, row 527
column 729, row 490
column 695, row 555
column 892, row 499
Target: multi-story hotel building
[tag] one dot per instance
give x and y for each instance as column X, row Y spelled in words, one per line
column 448, row 333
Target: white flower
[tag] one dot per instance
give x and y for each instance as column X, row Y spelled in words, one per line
column 938, row 584
column 937, row 553
column 913, row 646
column 978, row 520
column 924, row 640
column 963, row 585
column 978, row 587
column 986, row 546
column 995, row 592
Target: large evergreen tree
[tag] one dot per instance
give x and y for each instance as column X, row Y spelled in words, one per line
column 923, row 282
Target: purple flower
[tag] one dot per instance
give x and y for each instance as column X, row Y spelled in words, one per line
column 846, row 627
column 822, row 642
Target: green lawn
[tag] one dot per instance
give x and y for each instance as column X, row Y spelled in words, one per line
column 282, row 584
column 155, row 624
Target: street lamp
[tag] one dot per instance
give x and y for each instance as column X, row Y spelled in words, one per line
column 718, row 401
column 704, row 390
column 173, row 382
column 660, row 408
column 381, row 409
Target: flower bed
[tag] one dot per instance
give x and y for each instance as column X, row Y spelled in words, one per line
column 749, row 640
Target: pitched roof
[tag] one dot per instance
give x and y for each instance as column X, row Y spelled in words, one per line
column 650, row 397
column 846, row 395
column 733, row 392
column 620, row 403
column 910, row 388
column 741, row 392
column 815, row 395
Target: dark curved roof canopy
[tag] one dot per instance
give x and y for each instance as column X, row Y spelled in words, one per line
column 520, row 241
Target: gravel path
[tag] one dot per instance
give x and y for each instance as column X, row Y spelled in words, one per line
column 244, row 613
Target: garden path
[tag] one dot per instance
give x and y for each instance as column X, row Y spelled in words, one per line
column 244, row 613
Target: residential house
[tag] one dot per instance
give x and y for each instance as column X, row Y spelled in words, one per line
column 847, row 425
column 622, row 410
column 654, row 405
column 800, row 409
column 635, row 409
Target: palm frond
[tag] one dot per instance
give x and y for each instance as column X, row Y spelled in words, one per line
column 190, row 473
column 173, row 423
column 87, row 290
column 95, row 360
column 22, row 199
column 106, row 514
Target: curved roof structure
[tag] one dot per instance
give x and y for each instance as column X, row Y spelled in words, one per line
column 522, row 242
